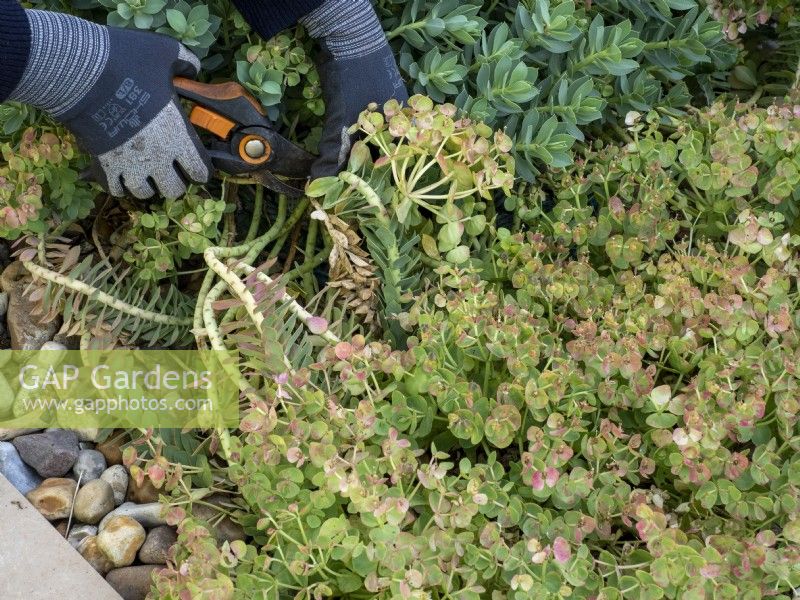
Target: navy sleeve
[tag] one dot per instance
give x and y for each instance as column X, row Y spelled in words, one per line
column 269, row 17
column 15, row 45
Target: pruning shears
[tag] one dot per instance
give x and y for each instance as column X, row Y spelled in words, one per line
column 246, row 142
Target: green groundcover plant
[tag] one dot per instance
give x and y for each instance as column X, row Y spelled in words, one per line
column 538, row 340
column 603, row 407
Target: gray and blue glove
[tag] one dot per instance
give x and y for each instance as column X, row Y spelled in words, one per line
column 113, row 89
column 356, row 67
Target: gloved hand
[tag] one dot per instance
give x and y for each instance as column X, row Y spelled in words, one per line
column 356, row 67
column 113, row 89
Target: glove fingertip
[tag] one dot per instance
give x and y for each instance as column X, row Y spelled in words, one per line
column 187, row 64
column 335, row 150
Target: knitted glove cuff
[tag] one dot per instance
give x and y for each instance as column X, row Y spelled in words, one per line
column 347, row 28
column 67, row 57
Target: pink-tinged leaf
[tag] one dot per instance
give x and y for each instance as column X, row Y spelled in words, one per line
column 317, row 325
column 175, row 515
column 710, row 571
column 129, row 456
column 259, row 291
column 137, row 474
column 537, row 481
column 226, row 304
column 156, row 474
column 28, row 255
column 294, row 455
column 343, row 350
column 551, row 476
column 561, row 550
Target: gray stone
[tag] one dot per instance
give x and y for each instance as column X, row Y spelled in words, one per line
column 92, row 554
column 72, row 342
column 21, row 476
column 132, row 583
column 84, row 435
column 88, row 434
column 89, row 466
column 6, row 435
column 53, row 346
column 120, row 540
column 93, row 502
column 149, row 515
column 53, row 498
column 3, row 304
column 155, row 549
column 117, row 477
column 52, row 453
column 80, row 532
column 24, row 328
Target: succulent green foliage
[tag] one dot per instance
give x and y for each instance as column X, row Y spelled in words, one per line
column 428, row 197
column 158, row 241
column 545, row 70
column 39, row 185
column 194, row 26
column 280, row 72
column 696, row 174
column 605, row 406
column 567, row 433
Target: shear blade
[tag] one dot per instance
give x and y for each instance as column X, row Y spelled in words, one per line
column 269, row 181
column 289, row 159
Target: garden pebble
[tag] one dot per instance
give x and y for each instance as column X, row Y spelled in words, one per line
column 144, row 493
column 52, row 453
column 20, row 475
column 6, row 435
column 53, row 346
column 111, row 450
column 120, row 540
column 117, row 477
column 78, row 533
column 53, row 498
column 132, row 583
column 90, row 465
column 156, row 547
column 24, row 328
column 94, row 501
column 149, row 515
column 84, row 435
column 90, row 551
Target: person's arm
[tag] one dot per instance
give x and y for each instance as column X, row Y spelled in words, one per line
column 15, row 46
column 113, row 89
column 268, row 17
column 356, row 64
